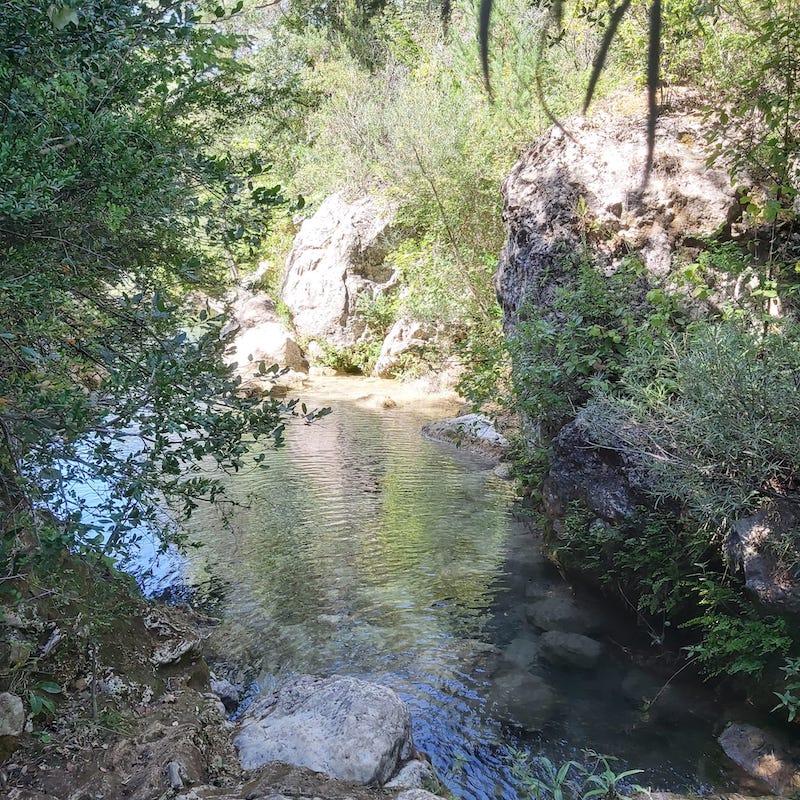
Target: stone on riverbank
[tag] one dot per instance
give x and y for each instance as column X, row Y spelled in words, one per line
column 347, row 728
column 473, row 432
column 763, row 756
column 413, row 775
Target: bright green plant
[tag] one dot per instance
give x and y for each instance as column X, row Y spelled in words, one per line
column 592, row 777
column 735, row 640
column 790, row 697
column 40, row 697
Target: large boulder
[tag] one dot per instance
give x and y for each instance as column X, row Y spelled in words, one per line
column 406, row 336
column 258, row 335
column 347, row 728
column 338, row 256
column 584, row 188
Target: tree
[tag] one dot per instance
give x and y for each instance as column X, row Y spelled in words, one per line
column 110, row 210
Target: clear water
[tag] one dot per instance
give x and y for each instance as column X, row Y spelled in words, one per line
column 368, row 550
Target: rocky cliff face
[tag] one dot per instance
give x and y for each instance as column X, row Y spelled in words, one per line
column 582, row 189
column 578, row 194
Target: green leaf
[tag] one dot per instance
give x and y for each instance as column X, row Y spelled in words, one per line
column 51, row 687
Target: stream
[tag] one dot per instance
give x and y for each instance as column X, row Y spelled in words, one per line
column 367, row 550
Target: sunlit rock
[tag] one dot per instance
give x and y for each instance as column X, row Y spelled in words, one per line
column 338, row 258
column 473, row 432
column 347, row 728
column 763, row 756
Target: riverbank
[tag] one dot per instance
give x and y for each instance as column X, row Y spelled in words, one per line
column 133, row 713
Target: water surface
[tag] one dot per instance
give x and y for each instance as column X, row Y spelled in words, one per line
column 365, row 549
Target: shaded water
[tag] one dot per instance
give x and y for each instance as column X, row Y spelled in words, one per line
column 367, row 550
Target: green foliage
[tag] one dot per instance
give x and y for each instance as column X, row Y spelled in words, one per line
column 651, row 561
column 112, row 207
column 590, row 778
column 578, row 346
column 692, row 409
column 736, row 641
column 39, row 697
column 790, row 697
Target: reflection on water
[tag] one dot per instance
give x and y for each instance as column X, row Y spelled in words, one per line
column 367, row 550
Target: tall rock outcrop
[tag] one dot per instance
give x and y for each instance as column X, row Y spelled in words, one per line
column 338, row 256
column 582, row 189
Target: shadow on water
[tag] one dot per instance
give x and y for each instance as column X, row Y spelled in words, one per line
column 367, row 550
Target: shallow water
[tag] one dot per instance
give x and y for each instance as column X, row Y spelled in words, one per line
column 368, row 550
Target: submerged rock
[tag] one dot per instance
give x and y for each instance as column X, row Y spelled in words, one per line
column 763, row 756
column 347, row 728
column 522, row 651
column 519, row 697
column 571, row 649
column 559, row 614
column 473, row 432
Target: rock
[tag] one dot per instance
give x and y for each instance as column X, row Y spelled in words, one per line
column 269, row 342
column 473, row 432
column 581, row 470
column 559, row 614
column 639, row 688
column 337, row 257
column 763, row 756
column 753, row 544
column 571, row 649
column 12, row 715
column 592, row 178
column 413, row 775
column 522, row 651
column 503, row 471
column 259, row 336
column 417, row 794
column 345, row 727
column 227, row 692
column 174, row 778
column 248, row 309
column 182, row 641
column 519, row 697
column 376, row 402
column 405, row 336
